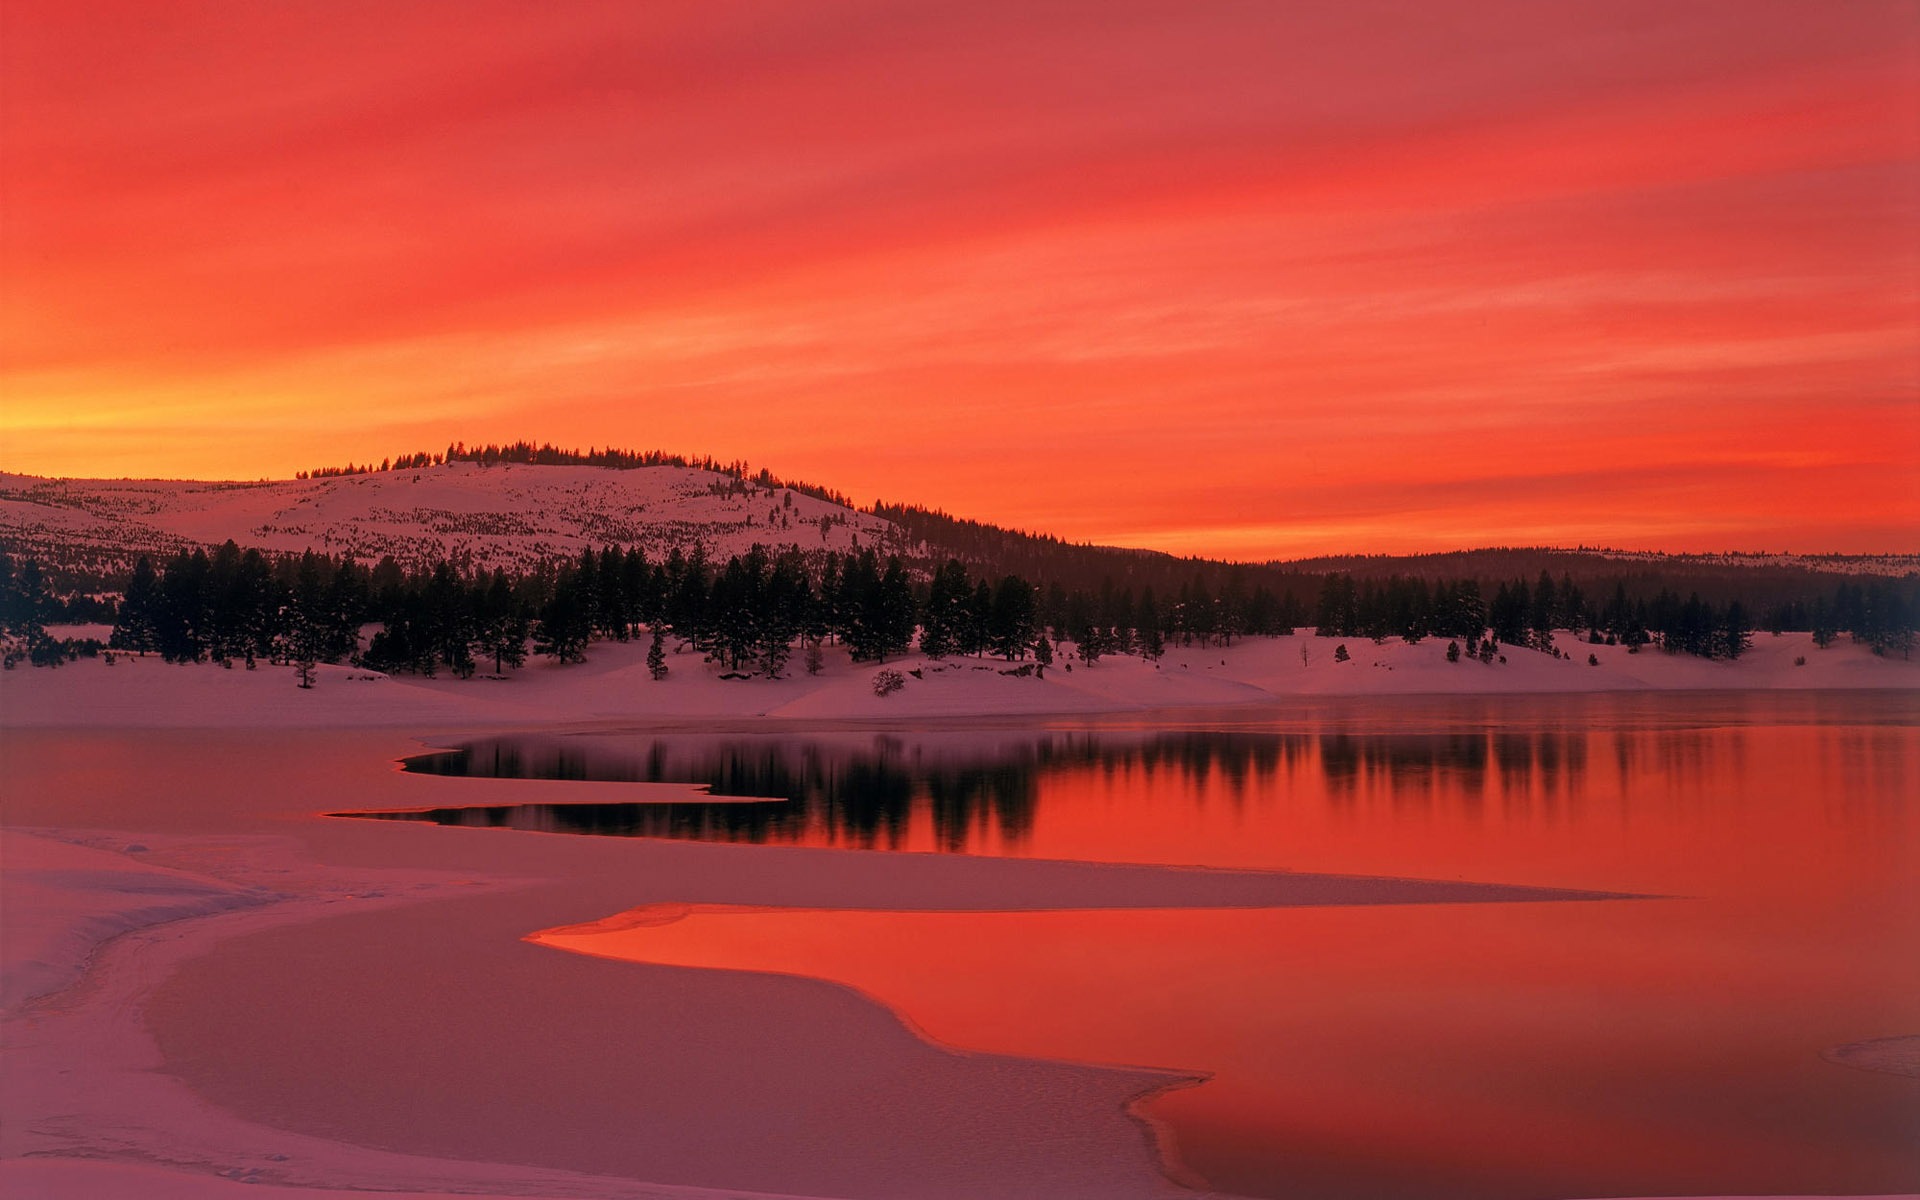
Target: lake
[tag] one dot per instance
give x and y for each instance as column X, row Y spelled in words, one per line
column 1668, row 1044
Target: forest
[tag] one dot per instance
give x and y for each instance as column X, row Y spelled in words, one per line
column 752, row 613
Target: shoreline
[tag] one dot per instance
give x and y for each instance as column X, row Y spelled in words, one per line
column 615, row 686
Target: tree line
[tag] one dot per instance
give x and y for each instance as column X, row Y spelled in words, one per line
column 1880, row 613
column 545, row 454
column 751, row 613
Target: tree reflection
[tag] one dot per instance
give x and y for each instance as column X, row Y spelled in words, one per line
column 983, row 798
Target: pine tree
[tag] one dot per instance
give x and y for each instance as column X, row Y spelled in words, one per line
column 503, row 624
column 859, row 607
column 657, row 656
column 564, row 625
column 788, row 599
column 1736, row 631
column 449, row 620
column 1013, row 625
column 894, row 615
column 303, row 637
column 734, row 610
column 24, row 614
column 974, row 637
column 134, row 627
column 1148, row 637
column 1092, row 644
column 942, row 623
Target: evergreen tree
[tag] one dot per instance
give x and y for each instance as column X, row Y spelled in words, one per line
column 305, row 626
column 181, row 619
column 1092, row 644
column 1042, row 653
column 1509, row 612
column 1825, row 628
column 636, row 590
column 656, row 656
column 503, row 625
column 1148, row 636
column 24, row 606
column 859, row 607
column 565, row 623
column 734, row 608
column 1334, row 616
column 448, row 622
column 687, row 600
column 976, row 634
column 1542, row 613
column 789, row 604
column 1013, row 624
column 1736, row 631
column 945, row 616
column 349, row 598
column 134, row 627
column 894, row 616
column 405, row 641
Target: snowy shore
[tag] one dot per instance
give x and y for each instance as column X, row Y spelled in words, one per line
column 614, row 684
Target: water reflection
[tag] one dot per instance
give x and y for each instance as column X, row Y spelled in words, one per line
column 960, row 794
column 1435, row 1052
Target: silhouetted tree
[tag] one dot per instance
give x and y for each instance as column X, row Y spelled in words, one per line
column 656, row 656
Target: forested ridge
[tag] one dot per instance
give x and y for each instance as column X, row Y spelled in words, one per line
column 972, row 589
column 752, row 613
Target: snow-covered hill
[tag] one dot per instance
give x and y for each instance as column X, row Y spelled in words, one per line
column 508, row 515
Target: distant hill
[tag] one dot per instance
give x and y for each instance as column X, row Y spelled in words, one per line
column 519, row 515
column 1510, row 561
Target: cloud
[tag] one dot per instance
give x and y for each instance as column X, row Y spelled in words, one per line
column 940, row 252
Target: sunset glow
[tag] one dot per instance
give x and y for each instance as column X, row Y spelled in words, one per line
column 1248, row 281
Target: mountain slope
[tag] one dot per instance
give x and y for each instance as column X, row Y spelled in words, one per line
column 517, row 515
column 508, row 515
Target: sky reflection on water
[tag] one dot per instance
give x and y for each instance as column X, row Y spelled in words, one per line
column 1431, row 1052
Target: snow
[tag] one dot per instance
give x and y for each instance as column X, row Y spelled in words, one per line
column 219, row 934
column 509, row 515
column 614, row 684
column 64, row 900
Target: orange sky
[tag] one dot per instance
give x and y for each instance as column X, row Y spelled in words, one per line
column 1251, row 280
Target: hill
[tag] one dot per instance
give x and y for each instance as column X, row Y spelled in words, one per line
column 549, row 505
column 510, row 515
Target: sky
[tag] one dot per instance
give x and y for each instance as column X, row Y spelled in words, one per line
column 1249, row 280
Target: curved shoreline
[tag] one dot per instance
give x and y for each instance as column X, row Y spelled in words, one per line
column 123, row 1110
column 1158, row 1133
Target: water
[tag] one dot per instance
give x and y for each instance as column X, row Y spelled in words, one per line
column 1660, row 1046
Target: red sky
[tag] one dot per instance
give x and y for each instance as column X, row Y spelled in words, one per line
column 1245, row 279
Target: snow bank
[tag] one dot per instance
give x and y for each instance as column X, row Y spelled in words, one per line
column 614, row 684
column 63, row 901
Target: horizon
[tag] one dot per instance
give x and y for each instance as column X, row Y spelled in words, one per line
column 1245, row 285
